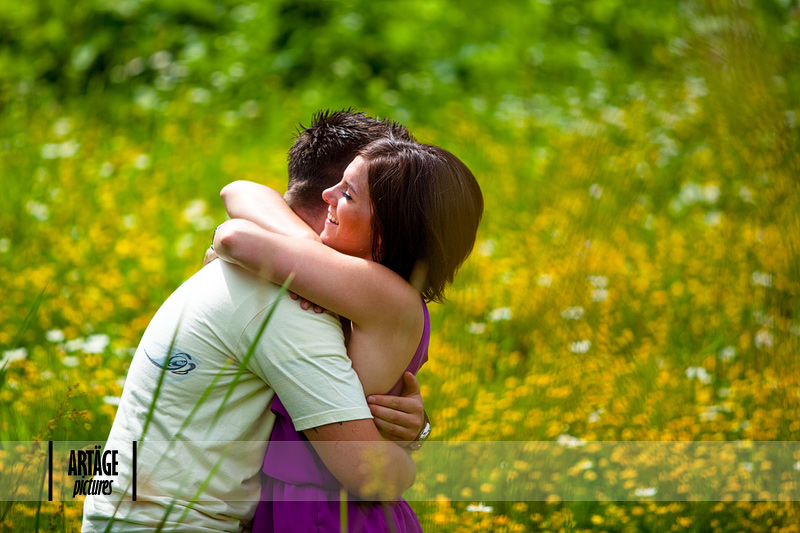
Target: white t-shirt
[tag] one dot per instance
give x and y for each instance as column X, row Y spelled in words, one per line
column 195, row 346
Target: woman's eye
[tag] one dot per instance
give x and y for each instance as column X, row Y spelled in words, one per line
column 347, row 196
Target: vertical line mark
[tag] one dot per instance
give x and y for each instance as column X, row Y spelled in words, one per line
column 134, row 469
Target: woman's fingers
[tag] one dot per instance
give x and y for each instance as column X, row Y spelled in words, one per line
column 306, row 304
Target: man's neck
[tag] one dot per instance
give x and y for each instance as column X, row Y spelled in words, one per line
column 315, row 218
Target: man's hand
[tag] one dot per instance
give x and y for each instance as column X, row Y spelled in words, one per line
column 210, row 256
column 399, row 418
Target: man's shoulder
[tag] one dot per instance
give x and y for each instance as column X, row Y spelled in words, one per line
column 290, row 320
column 249, row 299
column 221, row 273
column 228, row 287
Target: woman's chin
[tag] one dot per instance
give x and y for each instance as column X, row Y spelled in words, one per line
column 325, row 237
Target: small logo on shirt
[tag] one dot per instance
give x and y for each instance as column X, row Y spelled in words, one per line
column 179, row 363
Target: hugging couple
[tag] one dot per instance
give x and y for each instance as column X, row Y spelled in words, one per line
column 241, row 427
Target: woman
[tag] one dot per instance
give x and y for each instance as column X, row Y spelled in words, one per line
column 400, row 223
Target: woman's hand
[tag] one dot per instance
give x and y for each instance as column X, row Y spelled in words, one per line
column 399, row 418
column 306, row 304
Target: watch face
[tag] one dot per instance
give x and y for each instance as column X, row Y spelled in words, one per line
column 425, row 432
column 416, row 444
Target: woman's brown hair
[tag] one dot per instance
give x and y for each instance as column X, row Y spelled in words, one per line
column 426, row 207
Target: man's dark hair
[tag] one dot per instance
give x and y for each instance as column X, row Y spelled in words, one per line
column 322, row 151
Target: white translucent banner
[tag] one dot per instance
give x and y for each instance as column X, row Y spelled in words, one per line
column 571, row 470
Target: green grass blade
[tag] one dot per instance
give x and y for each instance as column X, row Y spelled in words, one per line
column 251, row 350
column 25, row 324
column 204, row 484
column 29, row 317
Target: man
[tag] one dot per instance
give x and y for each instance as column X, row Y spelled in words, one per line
column 203, row 377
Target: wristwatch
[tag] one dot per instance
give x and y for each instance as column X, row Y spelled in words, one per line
column 214, row 235
column 416, row 444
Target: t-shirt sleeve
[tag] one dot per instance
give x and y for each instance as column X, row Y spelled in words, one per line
column 301, row 355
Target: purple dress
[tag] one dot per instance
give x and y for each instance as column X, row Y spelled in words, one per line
column 301, row 495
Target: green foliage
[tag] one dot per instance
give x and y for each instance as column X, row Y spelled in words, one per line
column 411, row 59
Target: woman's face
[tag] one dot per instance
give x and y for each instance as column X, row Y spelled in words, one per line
column 348, row 227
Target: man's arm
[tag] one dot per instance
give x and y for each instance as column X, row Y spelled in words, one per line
column 302, row 357
column 398, row 418
column 369, row 469
column 367, row 466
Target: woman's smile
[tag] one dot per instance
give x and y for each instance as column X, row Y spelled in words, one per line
column 348, row 226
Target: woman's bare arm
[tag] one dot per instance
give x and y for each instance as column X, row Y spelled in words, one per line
column 369, row 294
column 265, row 207
column 384, row 309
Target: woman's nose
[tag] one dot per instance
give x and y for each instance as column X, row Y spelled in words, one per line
column 328, row 195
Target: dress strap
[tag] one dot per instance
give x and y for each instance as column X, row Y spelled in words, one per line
column 420, row 356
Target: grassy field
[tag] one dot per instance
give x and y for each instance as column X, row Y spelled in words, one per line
column 636, row 276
